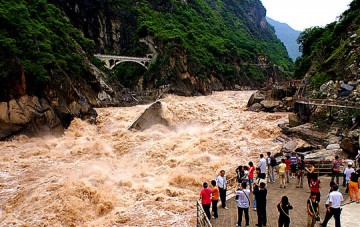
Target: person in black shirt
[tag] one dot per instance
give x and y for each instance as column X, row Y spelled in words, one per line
column 284, row 208
column 313, row 210
column 260, row 196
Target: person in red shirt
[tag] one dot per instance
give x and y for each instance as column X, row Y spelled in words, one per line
column 206, row 199
column 251, row 174
column 315, row 187
column 287, row 170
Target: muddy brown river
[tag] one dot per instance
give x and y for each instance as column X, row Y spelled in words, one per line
column 107, row 175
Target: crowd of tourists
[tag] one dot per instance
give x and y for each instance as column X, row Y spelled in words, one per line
column 253, row 179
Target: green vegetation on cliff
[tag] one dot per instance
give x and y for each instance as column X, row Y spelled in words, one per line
column 327, row 52
column 221, row 38
column 214, row 33
column 36, row 39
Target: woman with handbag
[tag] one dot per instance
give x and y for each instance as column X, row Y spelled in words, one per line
column 313, row 210
column 284, row 208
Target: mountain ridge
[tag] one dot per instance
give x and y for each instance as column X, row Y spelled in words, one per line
column 288, row 36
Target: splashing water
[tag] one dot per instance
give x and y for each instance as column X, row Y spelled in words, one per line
column 107, row 175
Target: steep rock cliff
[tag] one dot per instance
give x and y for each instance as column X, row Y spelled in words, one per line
column 46, row 78
column 202, row 45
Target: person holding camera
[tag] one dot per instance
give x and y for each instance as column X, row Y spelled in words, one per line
column 284, row 208
column 313, row 210
column 243, row 204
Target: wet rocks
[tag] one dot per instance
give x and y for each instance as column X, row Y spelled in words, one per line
column 28, row 113
column 151, row 116
column 257, row 97
column 309, row 133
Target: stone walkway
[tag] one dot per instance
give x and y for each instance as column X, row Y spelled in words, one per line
column 297, row 198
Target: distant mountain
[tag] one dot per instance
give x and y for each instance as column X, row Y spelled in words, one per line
column 288, row 36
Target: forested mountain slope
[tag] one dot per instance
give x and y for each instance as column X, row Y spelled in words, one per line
column 332, row 52
column 46, row 53
column 202, row 45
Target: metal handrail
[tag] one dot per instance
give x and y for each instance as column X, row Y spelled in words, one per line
column 201, row 218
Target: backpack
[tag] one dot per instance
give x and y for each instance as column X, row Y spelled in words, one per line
column 273, row 161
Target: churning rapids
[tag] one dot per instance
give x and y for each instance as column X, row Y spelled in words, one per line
column 107, row 175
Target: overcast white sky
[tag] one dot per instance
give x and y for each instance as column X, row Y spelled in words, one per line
column 301, row 14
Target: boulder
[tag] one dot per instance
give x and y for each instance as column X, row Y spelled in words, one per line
column 322, row 155
column 293, row 120
column 257, row 97
column 328, row 88
column 256, row 107
column 151, row 116
column 333, row 147
column 309, row 133
column 289, row 146
column 349, row 145
column 270, row 104
column 346, row 87
column 28, row 114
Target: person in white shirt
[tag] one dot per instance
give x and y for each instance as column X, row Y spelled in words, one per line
column 243, row 203
column 335, row 199
column 221, row 181
column 347, row 173
column 262, row 165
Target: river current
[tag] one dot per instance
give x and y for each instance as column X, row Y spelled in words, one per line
column 107, row 175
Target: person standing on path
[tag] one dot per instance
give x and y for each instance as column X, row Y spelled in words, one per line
column 313, row 210
column 354, row 187
column 262, row 165
column 284, row 208
column 301, row 172
column 214, row 198
column 256, row 184
column 336, row 169
column 287, row 170
column 206, row 199
column 243, row 204
column 310, row 171
column 251, row 174
column 221, row 182
column 260, row 196
column 270, row 172
column 347, row 173
column 282, row 169
column 293, row 163
column 315, row 186
column 335, row 200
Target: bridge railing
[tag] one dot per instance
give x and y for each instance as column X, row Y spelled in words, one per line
column 201, row 218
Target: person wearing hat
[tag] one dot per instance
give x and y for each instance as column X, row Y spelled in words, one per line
column 347, row 173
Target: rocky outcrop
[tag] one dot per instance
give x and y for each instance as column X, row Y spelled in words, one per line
column 151, row 116
column 32, row 115
column 28, row 114
column 309, row 133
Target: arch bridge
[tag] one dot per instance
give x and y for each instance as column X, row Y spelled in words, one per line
column 112, row 60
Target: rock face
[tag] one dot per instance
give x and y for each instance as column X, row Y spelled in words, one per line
column 308, row 133
column 53, row 110
column 117, row 27
column 29, row 114
column 32, row 115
